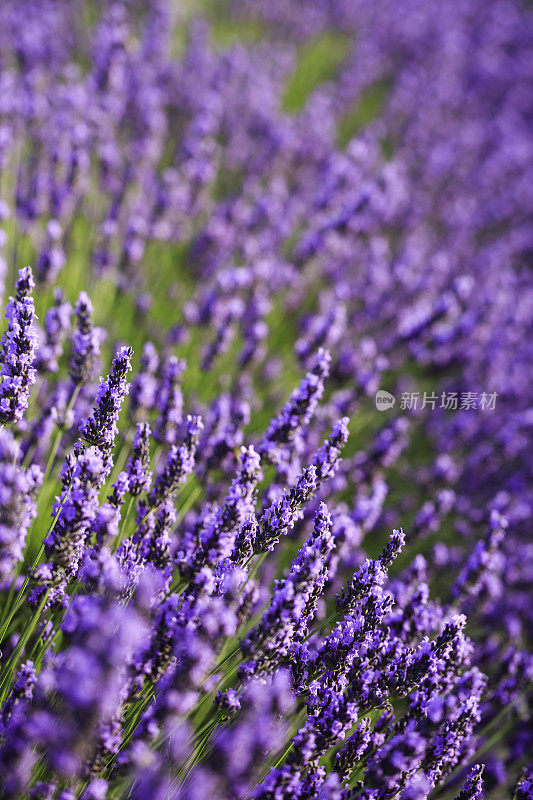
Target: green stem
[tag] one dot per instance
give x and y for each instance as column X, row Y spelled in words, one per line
column 20, row 595
column 5, row 682
column 59, row 434
column 124, row 524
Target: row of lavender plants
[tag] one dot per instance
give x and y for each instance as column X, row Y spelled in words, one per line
column 224, row 572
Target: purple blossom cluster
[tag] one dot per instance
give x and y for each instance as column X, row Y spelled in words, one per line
column 225, row 571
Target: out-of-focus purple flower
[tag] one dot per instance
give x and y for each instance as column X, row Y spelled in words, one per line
column 85, row 342
column 144, row 385
column 74, row 693
column 52, row 256
column 18, row 491
column 169, row 402
column 56, row 327
column 479, row 564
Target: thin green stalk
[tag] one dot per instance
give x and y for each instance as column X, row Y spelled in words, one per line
column 255, row 568
column 6, row 679
column 20, row 595
column 198, row 751
column 59, row 434
column 124, row 524
column 209, row 695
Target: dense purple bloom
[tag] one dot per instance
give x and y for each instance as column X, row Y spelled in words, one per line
column 293, row 601
column 101, row 428
column 244, row 190
column 283, row 514
column 75, row 509
column 18, row 351
column 73, row 694
column 473, row 787
column 298, row 411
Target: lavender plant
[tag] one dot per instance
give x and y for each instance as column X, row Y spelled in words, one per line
column 226, row 571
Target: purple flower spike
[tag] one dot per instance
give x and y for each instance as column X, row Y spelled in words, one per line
column 371, row 576
column 76, row 508
column 179, row 464
column 101, row 428
column 18, row 489
column 217, row 539
column 18, row 351
column 298, row 411
column 283, row 514
column 327, row 457
column 170, row 402
column 294, row 600
column 86, row 341
column 137, row 469
column 473, row 786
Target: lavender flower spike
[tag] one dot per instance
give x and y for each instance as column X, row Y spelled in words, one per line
column 473, row 787
column 294, row 600
column 298, row 410
column 217, row 539
column 86, row 341
column 76, row 508
column 282, row 515
column 18, row 351
column 101, row 428
column 138, row 463
column 18, row 488
column 180, row 462
column 371, row 575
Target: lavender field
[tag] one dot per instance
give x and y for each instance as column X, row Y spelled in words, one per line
column 266, row 474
